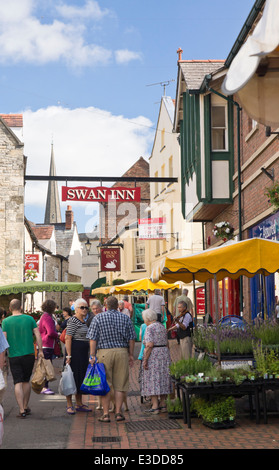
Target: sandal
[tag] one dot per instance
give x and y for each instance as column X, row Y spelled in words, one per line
column 27, row 411
column 83, row 408
column 104, row 419
column 71, row 410
column 119, row 417
column 155, row 411
column 21, row 415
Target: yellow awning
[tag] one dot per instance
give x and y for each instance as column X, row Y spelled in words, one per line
column 143, row 285
column 233, row 259
column 101, row 290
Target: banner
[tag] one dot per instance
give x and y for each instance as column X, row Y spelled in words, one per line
column 100, row 194
column 110, row 259
column 32, row 262
column 152, row 229
column 200, row 300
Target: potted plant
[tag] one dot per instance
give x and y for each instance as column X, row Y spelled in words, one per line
column 175, row 409
column 223, row 230
column 218, row 413
column 273, row 195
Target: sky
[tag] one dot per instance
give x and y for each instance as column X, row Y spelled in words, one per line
column 87, row 76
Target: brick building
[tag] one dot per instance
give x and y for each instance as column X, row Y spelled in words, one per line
column 227, row 162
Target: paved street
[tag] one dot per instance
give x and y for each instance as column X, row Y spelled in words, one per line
column 49, row 427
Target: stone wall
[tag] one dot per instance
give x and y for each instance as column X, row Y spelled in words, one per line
column 11, row 207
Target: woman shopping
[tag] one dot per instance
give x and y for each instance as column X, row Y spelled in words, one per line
column 49, row 335
column 77, row 347
column 156, row 381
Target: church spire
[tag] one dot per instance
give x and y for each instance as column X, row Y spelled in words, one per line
column 53, row 211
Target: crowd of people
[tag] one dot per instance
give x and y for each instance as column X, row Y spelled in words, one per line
column 103, row 333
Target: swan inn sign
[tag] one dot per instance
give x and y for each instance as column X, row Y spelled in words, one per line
column 110, row 259
column 100, row 194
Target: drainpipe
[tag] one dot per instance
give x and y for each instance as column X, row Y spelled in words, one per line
column 229, row 99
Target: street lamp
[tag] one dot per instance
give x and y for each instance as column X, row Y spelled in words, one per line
column 88, row 246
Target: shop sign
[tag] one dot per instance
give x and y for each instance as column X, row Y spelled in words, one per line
column 267, row 229
column 200, row 300
column 110, row 259
column 100, row 194
column 32, row 262
column 152, row 229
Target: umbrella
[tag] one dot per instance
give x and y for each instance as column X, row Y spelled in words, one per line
column 233, row 259
column 144, row 285
column 30, row 287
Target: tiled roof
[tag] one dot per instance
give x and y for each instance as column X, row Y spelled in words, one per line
column 13, row 120
column 43, row 232
column 194, row 71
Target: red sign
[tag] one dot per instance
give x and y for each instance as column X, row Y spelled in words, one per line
column 152, row 229
column 200, row 300
column 110, row 259
column 32, row 262
column 100, row 194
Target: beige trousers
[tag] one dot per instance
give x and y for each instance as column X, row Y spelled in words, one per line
column 186, row 346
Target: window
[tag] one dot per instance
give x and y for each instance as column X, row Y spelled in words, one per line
column 162, row 139
column 218, row 127
column 163, row 176
column 139, row 255
column 156, row 184
column 171, row 167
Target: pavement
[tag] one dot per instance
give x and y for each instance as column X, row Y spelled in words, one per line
column 49, row 426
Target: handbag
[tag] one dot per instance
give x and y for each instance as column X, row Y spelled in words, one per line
column 62, row 337
column 67, row 385
column 95, row 382
column 38, row 378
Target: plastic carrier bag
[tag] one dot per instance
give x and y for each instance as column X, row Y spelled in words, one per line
column 95, row 382
column 1, row 424
column 67, row 385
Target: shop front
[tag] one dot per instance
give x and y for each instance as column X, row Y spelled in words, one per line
column 269, row 230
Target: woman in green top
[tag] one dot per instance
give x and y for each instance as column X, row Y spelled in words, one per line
column 19, row 330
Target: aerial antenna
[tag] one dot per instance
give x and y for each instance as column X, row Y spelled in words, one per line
column 163, row 84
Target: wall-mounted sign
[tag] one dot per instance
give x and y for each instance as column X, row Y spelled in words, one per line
column 200, row 300
column 110, row 259
column 100, row 194
column 152, row 228
column 32, row 262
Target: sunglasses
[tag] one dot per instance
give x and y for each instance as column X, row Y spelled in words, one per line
column 83, row 307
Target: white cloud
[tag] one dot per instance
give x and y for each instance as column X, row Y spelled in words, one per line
column 87, row 141
column 91, row 9
column 25, row 38
column 123, row 56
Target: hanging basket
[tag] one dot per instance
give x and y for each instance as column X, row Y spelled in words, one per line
column 273, row 195
column 223, row 230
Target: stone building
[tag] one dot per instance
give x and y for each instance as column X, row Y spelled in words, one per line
column 12, row 169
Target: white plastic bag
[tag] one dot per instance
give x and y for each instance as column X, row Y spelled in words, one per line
column 67, row 385
column 2, row 380
column 1, row 424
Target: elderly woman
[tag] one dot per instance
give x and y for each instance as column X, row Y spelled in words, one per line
column 156, row 381
column 77, row 347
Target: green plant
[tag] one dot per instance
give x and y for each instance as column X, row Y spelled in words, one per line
column 217, row 410
column 273, row 194
column 174, row 406
column 187, row 367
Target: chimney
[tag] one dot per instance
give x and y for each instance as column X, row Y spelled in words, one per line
column 69, row 218
column 179, row 52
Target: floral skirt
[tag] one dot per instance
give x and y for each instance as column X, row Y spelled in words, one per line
column 156, row 379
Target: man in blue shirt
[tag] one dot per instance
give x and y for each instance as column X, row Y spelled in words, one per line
column 113, row 334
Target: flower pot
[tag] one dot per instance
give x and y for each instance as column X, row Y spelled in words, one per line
column 220, row 425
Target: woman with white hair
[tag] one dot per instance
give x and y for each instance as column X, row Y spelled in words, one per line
column 77, row 347
column 156, row 381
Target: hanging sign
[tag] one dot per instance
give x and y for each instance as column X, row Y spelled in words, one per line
column 100, row 194
column 32, row 262
column 110, row 259
column 150, row 229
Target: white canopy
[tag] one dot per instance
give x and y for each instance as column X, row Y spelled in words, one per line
column 258, row 90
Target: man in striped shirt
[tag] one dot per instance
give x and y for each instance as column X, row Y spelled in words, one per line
column 112, row 336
